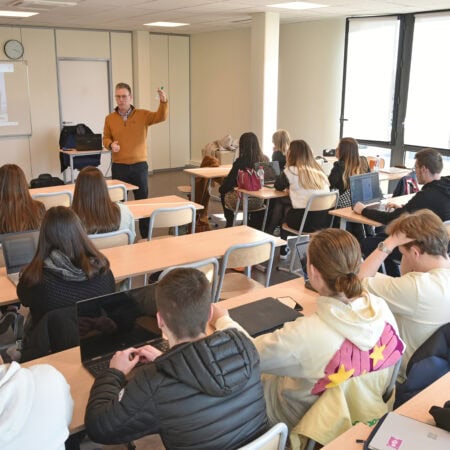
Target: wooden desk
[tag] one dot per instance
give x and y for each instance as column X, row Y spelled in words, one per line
column 208, row 173
column 71, row 187
column 80, row 380
column 347, row 214
column 157, row 254
column 74, row 153
column 145, row 207
column 417, row 408
column 265, row 193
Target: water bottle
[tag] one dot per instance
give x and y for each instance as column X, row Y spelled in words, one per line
column 260, row 174
column 377, row 164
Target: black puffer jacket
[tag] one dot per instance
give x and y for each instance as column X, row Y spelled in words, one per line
column 205, row 394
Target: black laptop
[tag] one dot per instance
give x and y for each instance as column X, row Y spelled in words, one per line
column 271, row 171
column 366, row 189
column 263, row 316
column 18, row 251
column 84, row 142
column 115, row 322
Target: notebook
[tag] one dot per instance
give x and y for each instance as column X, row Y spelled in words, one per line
column 271, row 171
column 403, row 433
column 365, row 188
column 115, row 322
column 18, row 251
column 85, row 142
column 263, row 316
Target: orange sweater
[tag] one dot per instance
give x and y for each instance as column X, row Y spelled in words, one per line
column 132, row 133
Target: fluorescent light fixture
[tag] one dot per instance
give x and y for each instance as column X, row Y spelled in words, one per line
column 297, row 5
column 166, row 24
column 17, row 14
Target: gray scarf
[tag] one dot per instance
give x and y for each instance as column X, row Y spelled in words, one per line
column 61, row 265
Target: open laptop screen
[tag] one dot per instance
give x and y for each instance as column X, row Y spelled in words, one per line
column 88, row 142
column 365, row 188
column 117, row 321
column 18, row 249
column 271, row 170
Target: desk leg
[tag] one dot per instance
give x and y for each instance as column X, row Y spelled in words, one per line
column 245, row 208
column 71, row 168
column 266, row 212
column 343, row 224
column 192, row 188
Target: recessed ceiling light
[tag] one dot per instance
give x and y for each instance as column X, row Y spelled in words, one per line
column 17, row 14
column 166, row 24
column 297, row 5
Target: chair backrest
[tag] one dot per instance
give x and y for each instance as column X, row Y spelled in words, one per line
column 274, row 439
column 172, row 217
column 118, row 193
column 50, row 199
column 372, row 160
column 210, row 267
column 320, row 202
column 247, row 255
column 111, row 239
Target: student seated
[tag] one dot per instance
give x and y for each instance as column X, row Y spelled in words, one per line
column 304, row 177
column 65, row 269
column 35, row 407
column 18, row 211
column 249, row 154
column 434, row 195
column 93, row 205
column 420, row 298
column 203, row 393
column 352, row 333
column 280, row 141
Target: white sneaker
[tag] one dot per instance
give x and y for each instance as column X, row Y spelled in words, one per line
column 285, row 251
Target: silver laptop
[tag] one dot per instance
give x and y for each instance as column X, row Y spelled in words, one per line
column 115, row 322
column 365, row 188
column 18, row 251
column 301, row 248
column 403, row 433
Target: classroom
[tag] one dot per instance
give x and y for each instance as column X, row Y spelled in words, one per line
column 236, row 67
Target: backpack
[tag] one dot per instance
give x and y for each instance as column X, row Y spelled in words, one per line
column 67, row 140
column 45, row 180
column 406, row 185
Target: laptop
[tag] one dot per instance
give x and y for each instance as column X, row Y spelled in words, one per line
column 365, row 188
column 263, row 316
column 271, row 171
column 115, row 322
column 84, row 142
column 403, row 433
column 18, row 251
column 301, row 248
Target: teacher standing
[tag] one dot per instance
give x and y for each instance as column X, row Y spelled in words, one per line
column 125, row 133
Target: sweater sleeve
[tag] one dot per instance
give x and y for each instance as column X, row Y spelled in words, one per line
column 230, row 181
column 107, row 134
column 118, row 412
column 159, row 116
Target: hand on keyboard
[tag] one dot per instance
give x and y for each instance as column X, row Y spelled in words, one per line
column 125, row 360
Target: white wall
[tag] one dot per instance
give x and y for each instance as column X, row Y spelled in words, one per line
column 220, row 87
column 310, row 81
column 38, row 153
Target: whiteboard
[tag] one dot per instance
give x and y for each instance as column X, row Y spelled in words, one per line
column 84, row 92
column 15, row 116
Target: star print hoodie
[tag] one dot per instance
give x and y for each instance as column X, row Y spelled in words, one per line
column 306, row 357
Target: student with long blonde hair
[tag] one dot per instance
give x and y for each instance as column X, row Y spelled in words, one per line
column 18, row 211
column 304, row 177
column 281, row 141
column 93, row 205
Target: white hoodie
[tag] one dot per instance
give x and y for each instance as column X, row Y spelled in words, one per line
column 317, row 352
column 35, row 408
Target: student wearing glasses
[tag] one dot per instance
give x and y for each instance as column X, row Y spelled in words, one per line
column 125, row 133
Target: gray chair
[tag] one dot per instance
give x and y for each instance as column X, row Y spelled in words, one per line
column 274, row 439
column 316, row 203
column 111, row 239
column 210, row 267
column 244, row 255
column 50, row 199
column 172, row 217
column 118, row 193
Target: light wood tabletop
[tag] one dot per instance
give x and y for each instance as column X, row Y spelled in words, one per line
column 348, row 215
column 71, row 187
column 150, row 256
column 145, row 207
column 208, row 173
column 80, row 380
